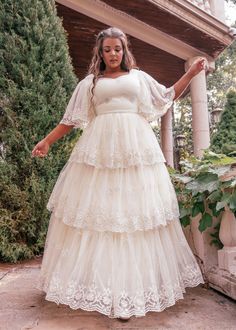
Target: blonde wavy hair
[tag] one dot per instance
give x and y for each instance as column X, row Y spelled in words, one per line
column 97, row 65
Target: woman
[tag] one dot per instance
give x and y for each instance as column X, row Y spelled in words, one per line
column 115, row 244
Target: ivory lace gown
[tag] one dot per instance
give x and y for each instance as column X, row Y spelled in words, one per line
column 115, row 244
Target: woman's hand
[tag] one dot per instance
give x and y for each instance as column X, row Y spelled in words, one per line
column 41, row 149
column 197, row 66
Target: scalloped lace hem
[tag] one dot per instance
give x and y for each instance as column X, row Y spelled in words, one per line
column 118, row 223
column 79, row 123
column 122, row 159
column 90, row 298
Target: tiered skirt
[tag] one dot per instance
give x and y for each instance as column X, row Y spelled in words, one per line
column 115, row 244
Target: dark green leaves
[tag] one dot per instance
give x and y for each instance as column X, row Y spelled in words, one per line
column 185, row 221
column 205, row 222
column 198, row 208
column 204, row 182
column 204, row 189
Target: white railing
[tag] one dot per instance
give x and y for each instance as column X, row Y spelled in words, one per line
column 202, row 4
column 215, row 8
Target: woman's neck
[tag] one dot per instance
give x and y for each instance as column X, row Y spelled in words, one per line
column 112, row 72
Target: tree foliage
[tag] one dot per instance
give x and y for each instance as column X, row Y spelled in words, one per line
column 36, row 80
column 224, row 140
column 222, row 79
column 205, row 187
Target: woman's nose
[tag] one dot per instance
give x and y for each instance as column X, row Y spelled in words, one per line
column 113, row 52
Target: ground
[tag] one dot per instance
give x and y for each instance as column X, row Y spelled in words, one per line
column 22, row 307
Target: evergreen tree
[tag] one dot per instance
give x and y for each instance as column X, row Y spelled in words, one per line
column 224, row 140
column 36, row 81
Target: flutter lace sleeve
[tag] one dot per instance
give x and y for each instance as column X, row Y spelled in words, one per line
column 155, row 99
column 79, row 111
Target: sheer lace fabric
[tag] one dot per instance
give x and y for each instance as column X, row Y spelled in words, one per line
column 115, row 244
column 117, row 200
column 117, row 274
column 118, row 140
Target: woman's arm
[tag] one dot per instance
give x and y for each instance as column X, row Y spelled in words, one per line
column 41, row 149
column 180, row 86
column 58, row 132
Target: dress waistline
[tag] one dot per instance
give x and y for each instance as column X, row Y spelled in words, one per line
column 117, row 111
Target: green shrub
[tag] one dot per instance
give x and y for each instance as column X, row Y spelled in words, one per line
column 224, row 140
column 36, row 81
column 201, row 190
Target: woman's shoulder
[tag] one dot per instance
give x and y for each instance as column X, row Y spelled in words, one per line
column 88, row 78
column 85, row 82
column 140, row 73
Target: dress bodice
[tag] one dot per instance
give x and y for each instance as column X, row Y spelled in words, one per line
column 112, row 95
column 134, row 92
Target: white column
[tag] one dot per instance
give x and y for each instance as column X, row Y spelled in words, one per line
column 218, row 9
column 200, row 116
column 167, row 137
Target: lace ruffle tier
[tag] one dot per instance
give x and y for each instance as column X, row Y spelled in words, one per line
column 117, row 274
column 117, row 141
column 117, row 200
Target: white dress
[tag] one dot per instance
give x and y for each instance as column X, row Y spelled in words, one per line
column 115, row 243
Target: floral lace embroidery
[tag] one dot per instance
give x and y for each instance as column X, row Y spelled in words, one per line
column 151, row 114
column 101, row 220
column 78, row 123
column 155, row 98
column 79, row 111
column 115, row 159
column 126, row 304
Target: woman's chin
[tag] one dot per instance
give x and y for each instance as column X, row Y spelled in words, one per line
column 113, row 66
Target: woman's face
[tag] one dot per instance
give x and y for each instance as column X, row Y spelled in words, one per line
column 112, row 53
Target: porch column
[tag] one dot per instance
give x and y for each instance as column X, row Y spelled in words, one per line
column 200, row 116
column 167, row 137
column 218, row 9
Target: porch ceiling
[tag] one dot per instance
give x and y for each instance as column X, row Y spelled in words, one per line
column 82, row 31
column 181, row 20
column 183, row 29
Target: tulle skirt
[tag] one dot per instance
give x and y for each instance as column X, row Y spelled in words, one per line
column 115, row 244
column 117, row 274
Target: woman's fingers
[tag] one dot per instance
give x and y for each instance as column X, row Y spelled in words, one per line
column 200, row 64
column 204, row 64
column 37, row 152
column 41, row 149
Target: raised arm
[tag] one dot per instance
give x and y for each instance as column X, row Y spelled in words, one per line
column 42, row 147
column 180, row 86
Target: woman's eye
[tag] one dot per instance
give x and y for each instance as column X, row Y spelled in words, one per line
column 116, row 50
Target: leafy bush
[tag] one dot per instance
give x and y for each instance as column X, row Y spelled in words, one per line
column 202, row 189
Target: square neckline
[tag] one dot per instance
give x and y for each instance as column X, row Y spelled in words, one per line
column 123, row 75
